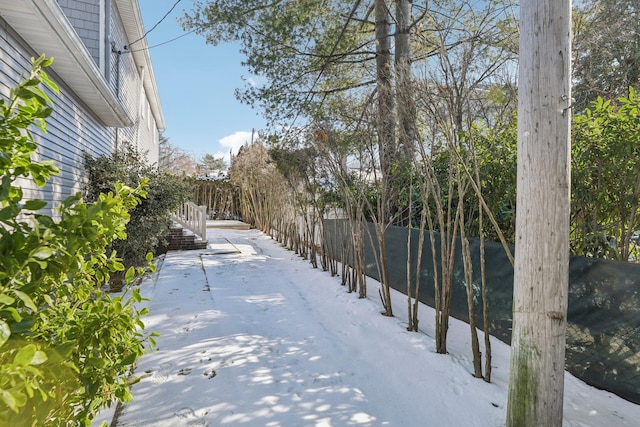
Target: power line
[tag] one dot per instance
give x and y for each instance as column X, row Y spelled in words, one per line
column 157, row 23
column 163, row 43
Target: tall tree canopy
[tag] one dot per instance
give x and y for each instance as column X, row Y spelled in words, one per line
column 606, row 49
column 296, row 48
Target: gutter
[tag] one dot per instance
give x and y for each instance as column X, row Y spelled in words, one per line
column 43, row 25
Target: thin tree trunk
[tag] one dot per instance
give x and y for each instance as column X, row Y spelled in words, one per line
column 409, row 287
column 385, row 292
column 483, row 276
column 405, row 102
column 359, row 253
column 468, row 278
column 386, row 142
column 406, row 105
column 413, row 311
column 442, row 280
column 541, row 273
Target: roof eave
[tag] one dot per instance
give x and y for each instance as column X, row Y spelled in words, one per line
column 44, row 26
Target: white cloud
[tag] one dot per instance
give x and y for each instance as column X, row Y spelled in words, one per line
column 236, row 140
column 233, row 142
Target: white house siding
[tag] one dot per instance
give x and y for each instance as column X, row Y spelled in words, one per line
column 124, row 77
column 85, row 17
column 126, row 81
column 146, row 130
column 72, row 129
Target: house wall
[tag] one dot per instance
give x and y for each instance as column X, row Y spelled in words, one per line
column 85, row 17
column 147, row 131
column 127, row 82
column 118, row 67
column 72, row 129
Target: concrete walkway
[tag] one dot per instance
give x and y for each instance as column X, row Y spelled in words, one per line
column 180, row 277
column 252, row 336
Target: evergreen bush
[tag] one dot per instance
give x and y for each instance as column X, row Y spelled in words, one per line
column 150, row 220
column 66, row 347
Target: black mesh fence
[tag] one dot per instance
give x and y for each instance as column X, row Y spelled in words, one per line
column 603, row 331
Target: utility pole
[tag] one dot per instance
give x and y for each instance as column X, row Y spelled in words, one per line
column 541, row 270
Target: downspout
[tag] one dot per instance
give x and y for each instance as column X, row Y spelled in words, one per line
column 141, row 104
column 118, row 53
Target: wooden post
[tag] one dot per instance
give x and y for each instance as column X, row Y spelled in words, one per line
column 536, row 380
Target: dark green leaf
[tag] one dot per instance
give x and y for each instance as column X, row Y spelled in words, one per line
column 34, row 205
column 26, row 299
column 129, row 359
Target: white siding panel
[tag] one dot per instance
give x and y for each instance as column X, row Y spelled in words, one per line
column 72, row 129
column 126, row 81
column 85, row 17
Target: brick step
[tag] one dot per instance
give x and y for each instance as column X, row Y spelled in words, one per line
column 179, row 241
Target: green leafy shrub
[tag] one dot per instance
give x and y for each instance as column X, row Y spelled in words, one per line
column 605, row 204
column 150, row 220
column 66, row 347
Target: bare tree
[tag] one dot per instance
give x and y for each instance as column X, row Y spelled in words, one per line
column 264, row 195
column 174, row 160
column 463, row 55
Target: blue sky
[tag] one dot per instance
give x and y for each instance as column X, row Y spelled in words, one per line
column 196, row 82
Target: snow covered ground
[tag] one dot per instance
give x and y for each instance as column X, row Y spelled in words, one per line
column 253, row 336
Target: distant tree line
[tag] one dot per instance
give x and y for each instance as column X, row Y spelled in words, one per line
column 176, row 161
